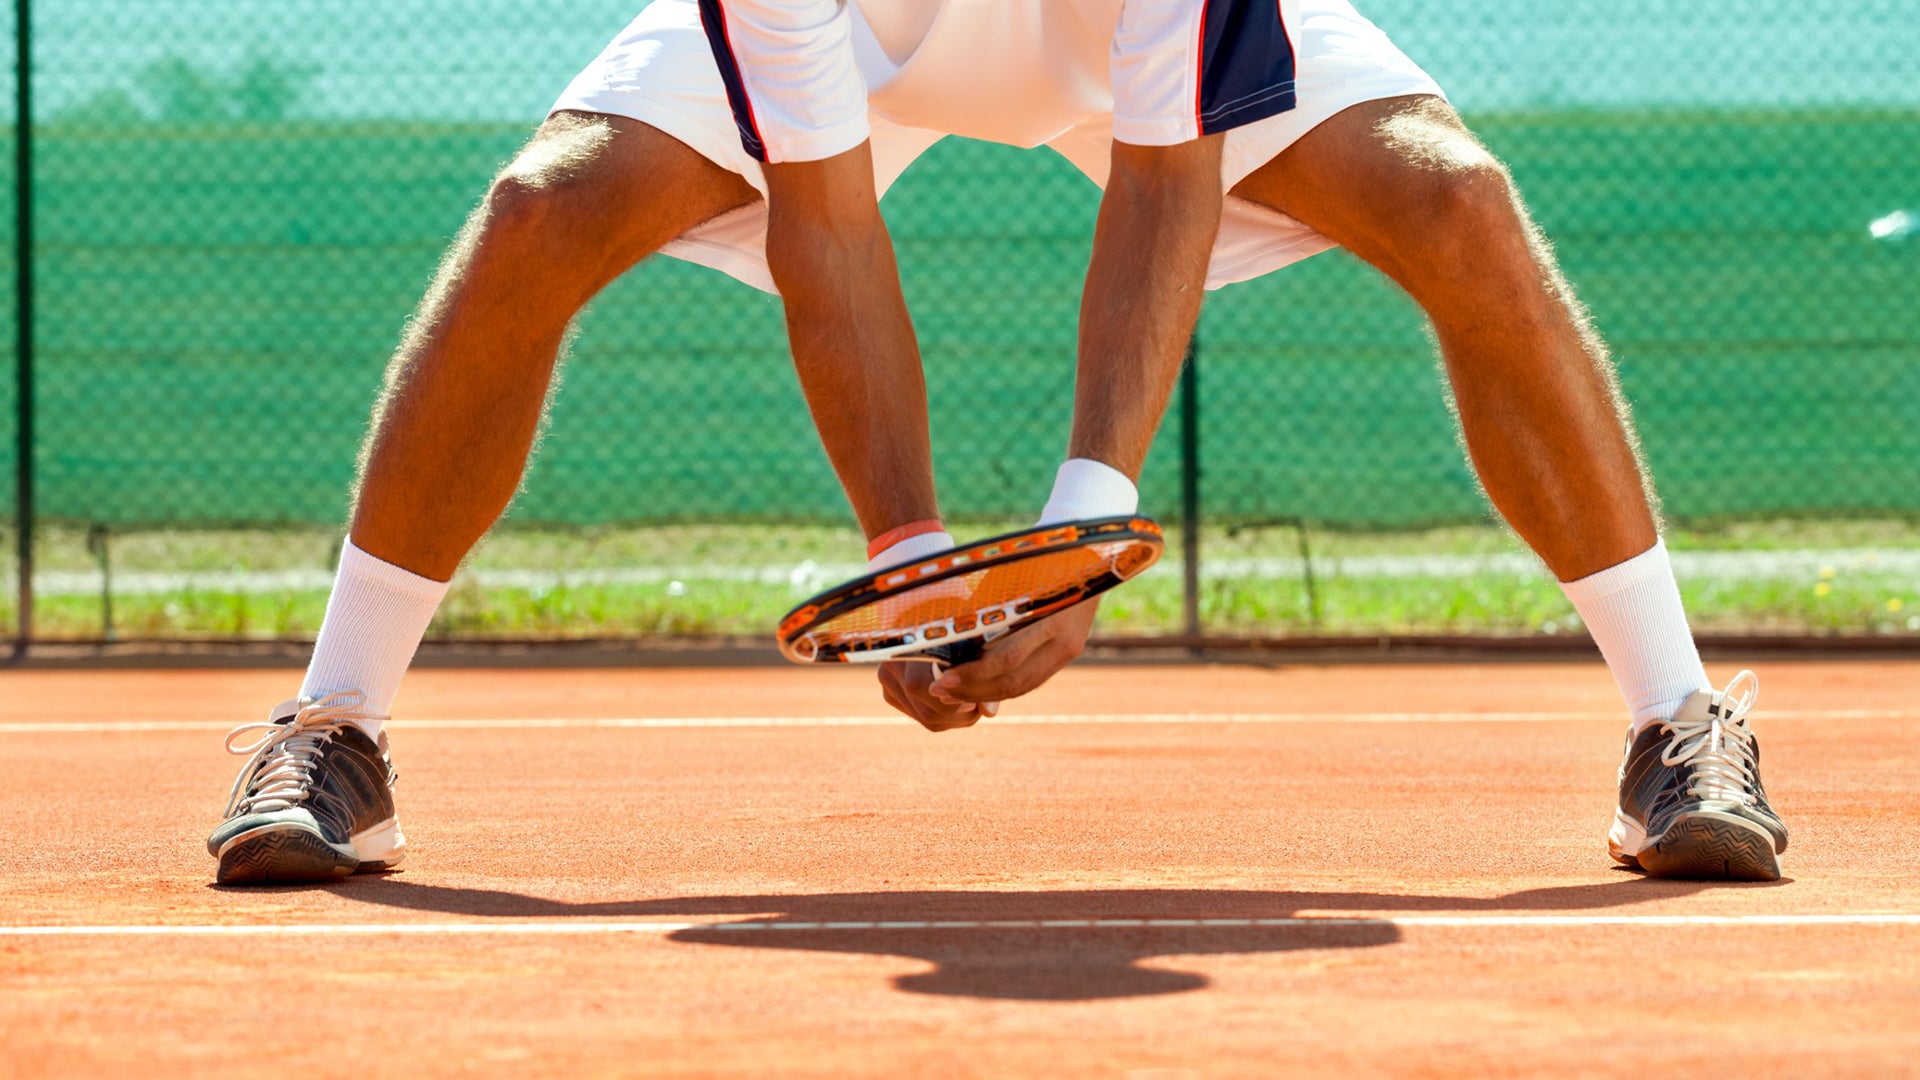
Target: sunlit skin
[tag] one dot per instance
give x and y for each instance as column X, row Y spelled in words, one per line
column 585, row 200
column 1402, row 184
column 588, row 198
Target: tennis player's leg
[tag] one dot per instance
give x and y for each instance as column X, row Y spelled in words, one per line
column 586, row 199
column 1404, row 185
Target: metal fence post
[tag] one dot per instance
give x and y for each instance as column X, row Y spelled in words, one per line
column 23, row 314
column 1190, row 485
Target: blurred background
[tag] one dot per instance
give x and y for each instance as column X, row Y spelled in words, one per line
column 235, row 204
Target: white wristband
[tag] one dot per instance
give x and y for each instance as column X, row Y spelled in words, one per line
column 910, row 550
column 1085, row 488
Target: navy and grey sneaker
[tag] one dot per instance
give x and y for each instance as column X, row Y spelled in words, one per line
column 1691, row 802
column 314, row 802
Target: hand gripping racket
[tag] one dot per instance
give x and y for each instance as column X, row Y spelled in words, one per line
column 945, row 609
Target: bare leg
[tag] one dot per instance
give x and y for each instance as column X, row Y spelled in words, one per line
column 587, row 198
column 1404, row 185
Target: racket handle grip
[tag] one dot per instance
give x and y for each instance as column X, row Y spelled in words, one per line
column 960, row 652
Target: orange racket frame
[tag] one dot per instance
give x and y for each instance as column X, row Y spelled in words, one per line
column 958, row 635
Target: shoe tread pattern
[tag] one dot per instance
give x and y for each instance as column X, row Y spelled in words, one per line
column 1700, row 847
column 287, row 856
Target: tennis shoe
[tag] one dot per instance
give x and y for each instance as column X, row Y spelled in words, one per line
column 1691, row 801
column 314, row 801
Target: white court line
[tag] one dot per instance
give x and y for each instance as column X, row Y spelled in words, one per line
column 1015, row 719
column 1291, row 922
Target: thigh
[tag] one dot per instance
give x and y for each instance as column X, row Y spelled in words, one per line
column 615, row 184
column 1377, row 177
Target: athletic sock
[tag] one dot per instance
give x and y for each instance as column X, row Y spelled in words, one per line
column 374, row 622
column 1085, row 488
column 915, row 540
column 1633, row 611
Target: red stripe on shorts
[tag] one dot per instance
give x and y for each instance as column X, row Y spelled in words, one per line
column 1200, row 69
column 746, row 99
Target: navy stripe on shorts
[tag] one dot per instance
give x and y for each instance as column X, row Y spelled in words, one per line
column 1246, row 64
column 714, row 20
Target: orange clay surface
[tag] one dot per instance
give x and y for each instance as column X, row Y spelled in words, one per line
column 1153, row 872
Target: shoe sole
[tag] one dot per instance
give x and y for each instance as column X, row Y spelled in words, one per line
column 1712, row 847
column 382, row 847
column 283, row 856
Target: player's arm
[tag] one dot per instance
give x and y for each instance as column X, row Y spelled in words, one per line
column 1184, row 73
column 1151, row 246
column 1145, row 283
column 853, row 343
column 800, row 104
column 859, row 366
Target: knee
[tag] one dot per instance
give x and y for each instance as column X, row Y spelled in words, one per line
column 1472, row 250
column 531, row 226
column 523, row 207
column 550, row 187
column 538, row 219
column 1464, row 212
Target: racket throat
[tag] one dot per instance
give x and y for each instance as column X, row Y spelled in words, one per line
column 947, row 648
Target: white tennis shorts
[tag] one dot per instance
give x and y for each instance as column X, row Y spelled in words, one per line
column 1026, row 74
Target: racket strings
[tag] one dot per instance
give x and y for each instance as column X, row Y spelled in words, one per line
column 945, row 607
column 991, row 596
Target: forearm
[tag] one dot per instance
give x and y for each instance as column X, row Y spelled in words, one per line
column 1151, row 245
column 852, row 339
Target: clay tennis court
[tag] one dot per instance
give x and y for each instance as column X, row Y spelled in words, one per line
column 1141, row 871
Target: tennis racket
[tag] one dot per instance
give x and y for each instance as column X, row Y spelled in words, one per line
column 946, row 608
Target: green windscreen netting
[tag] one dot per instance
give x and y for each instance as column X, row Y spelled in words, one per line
column 9, row 325
column 241, row 200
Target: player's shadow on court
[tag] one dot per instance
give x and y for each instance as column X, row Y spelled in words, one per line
column 1071, row 945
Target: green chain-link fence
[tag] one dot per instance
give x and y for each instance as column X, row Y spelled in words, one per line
column 238, row 202
column 11, row 373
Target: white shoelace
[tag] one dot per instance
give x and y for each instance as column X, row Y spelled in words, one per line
column 278, row 776
column 1720, row 747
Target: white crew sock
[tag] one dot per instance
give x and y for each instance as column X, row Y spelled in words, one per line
column 374, row 622
column 1085, row 488
column 913, row 547
column 1633, row 611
